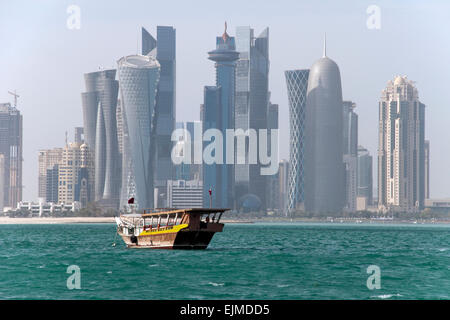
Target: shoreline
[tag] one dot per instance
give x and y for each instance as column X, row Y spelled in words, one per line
column 336, row 221
column 62, row 220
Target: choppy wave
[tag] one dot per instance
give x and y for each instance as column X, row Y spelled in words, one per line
column 267, row 261
column 387, row 296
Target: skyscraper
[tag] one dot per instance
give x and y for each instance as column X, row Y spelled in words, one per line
column 138, row 78
column 283, row 176
column 164, row 50
column 192, row 170
column 185, row 194
column 224, row 56
column 427, row 169
column 350, row 144
column 272, row 182
column 211, row 172
column 252, row 103
column 119, row 120
column 78, row 134
column 297, row 87
column 324, row 183
column 365, row 184
column 74, row 163
column 100, row 130
column 401, row 149
column 11, row 148
column 272, row 123
column 47, row 159
column 51, row 184
column 2, row 181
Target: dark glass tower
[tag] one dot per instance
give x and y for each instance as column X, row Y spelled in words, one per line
column 11, row 148
column 211, row 172
column 52, row 184
column 252, row 103
column 225, row 57
column 164, row 50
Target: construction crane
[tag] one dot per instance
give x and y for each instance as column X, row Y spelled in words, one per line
column 15, row 97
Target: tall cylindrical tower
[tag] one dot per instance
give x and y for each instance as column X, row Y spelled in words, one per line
column 324, row 184
column 138, row 79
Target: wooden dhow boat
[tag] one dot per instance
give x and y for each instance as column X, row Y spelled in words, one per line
column 191, row 228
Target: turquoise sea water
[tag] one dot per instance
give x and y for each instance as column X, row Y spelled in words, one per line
column 254, row 261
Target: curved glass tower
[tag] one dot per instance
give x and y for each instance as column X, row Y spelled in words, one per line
column 100, row 128
column 297, row 86
column 138, row 78
column 324, row 183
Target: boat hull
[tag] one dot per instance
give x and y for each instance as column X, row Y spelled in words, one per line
column 184, row 239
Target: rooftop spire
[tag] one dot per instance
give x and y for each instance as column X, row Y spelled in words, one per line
column 225, row 35
column 325, row 45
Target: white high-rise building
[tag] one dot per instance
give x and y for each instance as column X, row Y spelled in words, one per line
column 401, row 151
column 185, row 194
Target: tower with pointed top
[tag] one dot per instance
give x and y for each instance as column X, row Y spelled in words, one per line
column 164, row 50
column 221, row 180
column 324, row 168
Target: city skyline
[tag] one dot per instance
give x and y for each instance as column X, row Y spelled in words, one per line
column 366, row 99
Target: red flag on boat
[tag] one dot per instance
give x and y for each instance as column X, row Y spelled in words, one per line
column 210, row 191
column 131, row 200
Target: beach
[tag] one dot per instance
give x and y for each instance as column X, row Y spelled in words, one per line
column 48, row 220
column 72, row 220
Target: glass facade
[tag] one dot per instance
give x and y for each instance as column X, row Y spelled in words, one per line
column 11, row 148
column 211, row 172
column 191, row 171
column 350, row 145
column 225, row 56
column 252, row 103
column 165, row 54
column 138, row 78
column 365, row 184
column 324, row 167
column 297, row 86
column 100, row 130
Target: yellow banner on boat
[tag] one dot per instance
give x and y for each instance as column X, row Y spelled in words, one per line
column 165, row 230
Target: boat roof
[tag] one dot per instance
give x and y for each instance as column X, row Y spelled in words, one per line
column 159, row 212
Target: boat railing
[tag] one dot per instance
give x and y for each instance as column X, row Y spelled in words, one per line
column 158, row 210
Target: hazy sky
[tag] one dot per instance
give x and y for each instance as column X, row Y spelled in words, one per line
column 45, row 61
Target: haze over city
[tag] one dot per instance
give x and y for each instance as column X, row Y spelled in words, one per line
column 45, row 61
